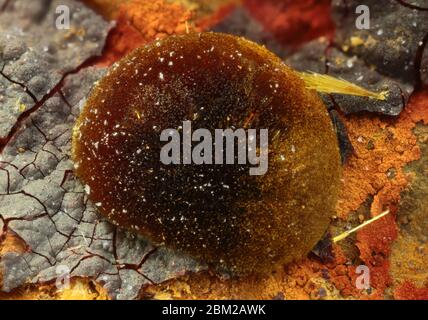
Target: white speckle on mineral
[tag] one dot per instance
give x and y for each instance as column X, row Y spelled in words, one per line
column 350, row 62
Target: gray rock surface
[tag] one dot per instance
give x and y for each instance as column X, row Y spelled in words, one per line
column 35, row 55
column 395, row 39
column 424, row 67
column 241, row 23
column 317, row 56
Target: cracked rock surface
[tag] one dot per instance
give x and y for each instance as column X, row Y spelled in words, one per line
column 35, row 55
column 40, row 199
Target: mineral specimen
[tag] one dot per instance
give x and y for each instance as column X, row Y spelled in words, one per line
column 218, row 213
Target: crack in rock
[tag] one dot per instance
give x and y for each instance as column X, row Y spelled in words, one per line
column 414, row 4
column 3, row 5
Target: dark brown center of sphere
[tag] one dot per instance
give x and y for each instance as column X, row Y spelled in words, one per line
column 218, row 213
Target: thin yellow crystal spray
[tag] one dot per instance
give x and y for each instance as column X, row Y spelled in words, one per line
column 349, row 232
column 328, row 84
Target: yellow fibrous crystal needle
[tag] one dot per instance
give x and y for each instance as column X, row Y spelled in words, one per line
column 349, row 232
column 328, row 84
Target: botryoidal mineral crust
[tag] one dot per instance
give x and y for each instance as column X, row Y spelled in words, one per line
column 217, row 213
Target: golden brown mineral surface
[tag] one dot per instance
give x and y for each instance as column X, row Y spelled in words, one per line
column 218, row 213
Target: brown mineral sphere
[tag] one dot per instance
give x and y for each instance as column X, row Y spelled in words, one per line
column 219, row 214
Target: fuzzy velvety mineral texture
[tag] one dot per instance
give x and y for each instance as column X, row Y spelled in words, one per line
column 219, row 213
